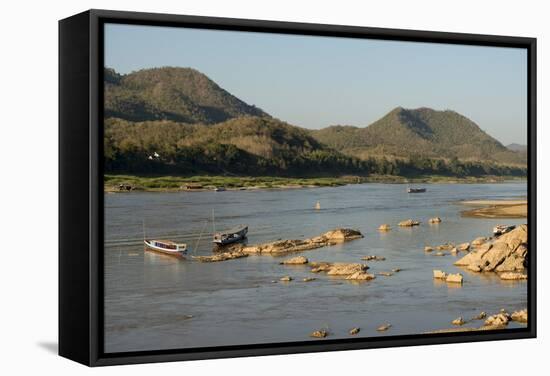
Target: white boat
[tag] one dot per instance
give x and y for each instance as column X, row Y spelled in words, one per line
column 502, row 229
column 166, row 247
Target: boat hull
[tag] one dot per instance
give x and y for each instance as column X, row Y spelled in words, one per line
column 152, row 248
column 231, row 238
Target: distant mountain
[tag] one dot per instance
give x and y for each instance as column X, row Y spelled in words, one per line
column 178, row 121
column 425, row 132
column 178, row 94
column 517, row 147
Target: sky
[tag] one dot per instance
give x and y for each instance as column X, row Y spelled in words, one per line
column 314, row 82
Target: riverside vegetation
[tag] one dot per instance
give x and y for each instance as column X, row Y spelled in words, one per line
column 177, row 122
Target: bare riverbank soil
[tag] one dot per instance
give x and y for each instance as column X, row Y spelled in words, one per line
column 496, row 209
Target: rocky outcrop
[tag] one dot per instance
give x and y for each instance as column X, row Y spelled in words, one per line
column 498, row 320
column 287, row 246
column 298, row 260
column 409, row 223
column 450, row 278
column 224, row 256
column 479, row 241
column 352, row 271
column 519, row 316
column 319, row 334
column 508, row 253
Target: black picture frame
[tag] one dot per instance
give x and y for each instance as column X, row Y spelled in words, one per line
column 81, row 186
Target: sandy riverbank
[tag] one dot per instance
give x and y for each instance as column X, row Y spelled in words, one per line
column 496, row 209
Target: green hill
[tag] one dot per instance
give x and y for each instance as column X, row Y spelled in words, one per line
column 177, row 94
column 419, row 132
column 247, row 145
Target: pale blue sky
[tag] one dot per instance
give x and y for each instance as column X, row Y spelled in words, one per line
column 315, row 82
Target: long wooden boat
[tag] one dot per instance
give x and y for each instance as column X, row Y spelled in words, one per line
column 230, row 236
column 166, row 247
column 416, row 190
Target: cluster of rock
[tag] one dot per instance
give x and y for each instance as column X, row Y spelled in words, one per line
column 506, row 254
column 373, row 258
column 497, row 321
column 448, row 277
column 297, row 245
column 298, row 260
column 408, row 223
column 351, row 271
column 223, row 256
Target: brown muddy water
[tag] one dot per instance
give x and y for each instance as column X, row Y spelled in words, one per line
column 157, row 302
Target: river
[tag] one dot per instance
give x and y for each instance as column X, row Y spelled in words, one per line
column 158, row 302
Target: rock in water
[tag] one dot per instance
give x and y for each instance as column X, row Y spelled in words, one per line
column 409, row 223
column 428, row 249
column 354, row 331
column 435, row 220
column 319, row 334
column 396, row 270
column 479, row 241
column 386, row 274
column 360, row 276
column 373, row 258
column 439, row 274
column 500, row 319
column 458, row 321
column 298, row 260
column 384, row 327
column 286, row 278
column 308, row 279
column 454, row 278
column 463, row 247
column 224, row 256
column 520, row 316
column 384, row 227
column 481, row 316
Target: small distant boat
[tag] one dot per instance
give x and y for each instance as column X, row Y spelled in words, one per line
column 416, row 190
column 318, row 206
column 230, row 236
column 219, row 189
column 502, row 229
column 167, row 247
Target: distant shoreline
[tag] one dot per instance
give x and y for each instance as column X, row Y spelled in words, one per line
column 132, row 183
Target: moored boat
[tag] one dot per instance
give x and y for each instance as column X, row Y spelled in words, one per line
column 166, row 247
column 416, row 190
column 230, row 236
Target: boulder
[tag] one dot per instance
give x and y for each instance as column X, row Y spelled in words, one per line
column 463, row 247
column 479, row 241
column 481, row 316
column 458, row 321
column 439, row 274
column 408, row 223
column 454, row 278
column 499, row 320
column 298, row 260
column 396, row 270
column 360, row 276
column 286, row 278
column 445, row 247
column 508, row 253
column 519, row 316
column 434, row 220
column 319, row 334
column 384, row 227
column 384, row 327
column 346, row 269
column 513, row 276
column 354, row 331
column 428, row 249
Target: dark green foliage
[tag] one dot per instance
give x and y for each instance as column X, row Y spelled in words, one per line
column 177, row 121
column 435, row 134
column 178, row 94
